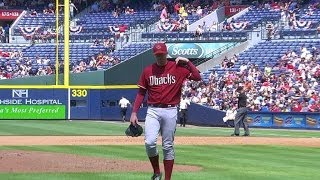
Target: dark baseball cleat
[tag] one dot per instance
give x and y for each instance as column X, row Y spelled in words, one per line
column 234, row 134
column 156, row 176
column 246, row 135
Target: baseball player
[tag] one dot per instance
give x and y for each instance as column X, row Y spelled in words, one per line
column 162, row 81
column 123, row 103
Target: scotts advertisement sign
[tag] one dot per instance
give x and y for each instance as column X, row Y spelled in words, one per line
column 192, row 50
column 232, row 10
column 9, row 14
column 189, row 50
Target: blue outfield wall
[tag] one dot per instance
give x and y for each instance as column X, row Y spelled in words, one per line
column 103, row 105
column 284, row 120
column 202, row 115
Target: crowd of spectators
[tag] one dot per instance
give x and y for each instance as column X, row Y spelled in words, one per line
column 177, row 13
column 95, row 63
column 47, row 35
column 116, row 7
column 14, row 65
column 289, row 85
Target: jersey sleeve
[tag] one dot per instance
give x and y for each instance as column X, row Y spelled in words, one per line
column 143, row 81
column 194, row 72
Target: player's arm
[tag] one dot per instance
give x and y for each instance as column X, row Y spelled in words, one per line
column 194, row 72
column 139, row 98
column 137, row 103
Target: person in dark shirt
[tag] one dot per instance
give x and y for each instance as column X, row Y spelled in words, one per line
column 241, row 116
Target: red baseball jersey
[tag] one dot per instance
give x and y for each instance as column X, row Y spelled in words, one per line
column 164, row 83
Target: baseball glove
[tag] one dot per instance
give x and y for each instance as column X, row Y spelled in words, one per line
column 134, row 130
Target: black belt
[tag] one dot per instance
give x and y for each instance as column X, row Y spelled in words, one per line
column 162, row 105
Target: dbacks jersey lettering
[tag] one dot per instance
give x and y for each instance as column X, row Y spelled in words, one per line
column 169, row 79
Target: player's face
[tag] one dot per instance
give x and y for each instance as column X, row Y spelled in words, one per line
column 161, row 59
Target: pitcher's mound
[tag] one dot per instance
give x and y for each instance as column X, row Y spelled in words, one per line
column 35, row 161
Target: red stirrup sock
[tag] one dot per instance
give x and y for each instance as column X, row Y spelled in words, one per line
column 168, row 165
column 155, row 164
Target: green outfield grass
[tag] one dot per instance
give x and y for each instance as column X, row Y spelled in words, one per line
column 218, row 161
column 63, row 128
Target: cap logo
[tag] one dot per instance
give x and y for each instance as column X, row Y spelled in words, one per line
column 158, row 47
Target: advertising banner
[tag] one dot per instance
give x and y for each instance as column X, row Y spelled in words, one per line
column 192, row 50
column 232, row 10
column 32, row 112
column 289, row 120
column 6, row 14
column 33, row 103
column 260, row 120
column 313, row 120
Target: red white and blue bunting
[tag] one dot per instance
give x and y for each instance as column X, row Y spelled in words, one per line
column 75, row 29
column 29, row 31
column 238, row 26
column 301, row 24
column 167, row 27
column 114, row 29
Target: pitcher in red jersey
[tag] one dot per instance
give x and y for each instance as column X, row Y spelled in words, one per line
column 162, row 81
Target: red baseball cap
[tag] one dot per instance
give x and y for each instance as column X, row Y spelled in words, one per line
column 160, row 48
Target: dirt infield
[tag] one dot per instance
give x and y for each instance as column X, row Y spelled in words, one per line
column 33, row 161
column 123, row 140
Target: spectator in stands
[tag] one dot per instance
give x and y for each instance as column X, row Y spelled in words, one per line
column 2, row 35
column 318, row 29
column 156, row 6
column 199, row 11
column 164, row 15
column 51, row 5
column 177, row 8
column 33, row 12
column 230, row 63
column 204, row 26
column 185, row 24
column 48, row 11
column 72, row 9
column 96, row 43
column 128, row 10
column 214, row 26
column 198, row 32
column 270, row 30
column 95, row 7
column 2, row 5
column 226, row 25
column 109, row 43
column 6, row 32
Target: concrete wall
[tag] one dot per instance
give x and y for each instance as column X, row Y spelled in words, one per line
column 214, row 16
column 235, row 16
column 217, row 60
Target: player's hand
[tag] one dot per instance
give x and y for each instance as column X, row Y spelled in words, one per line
column 181, row 60
column 134, row 119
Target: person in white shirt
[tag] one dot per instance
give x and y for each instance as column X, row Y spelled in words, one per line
column 124, row 103
column 184, row 103
column 230, row 116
